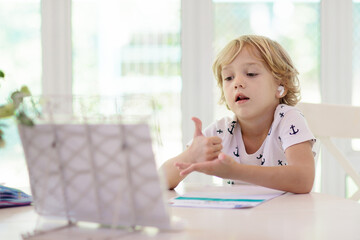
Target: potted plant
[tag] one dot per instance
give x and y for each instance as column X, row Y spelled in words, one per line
column 11, row 109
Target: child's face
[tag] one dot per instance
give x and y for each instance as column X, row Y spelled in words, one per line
column 250, row 89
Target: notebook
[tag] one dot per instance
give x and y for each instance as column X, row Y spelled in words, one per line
column 102, row 173
column 230, row 197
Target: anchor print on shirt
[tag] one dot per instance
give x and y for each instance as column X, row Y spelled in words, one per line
column 236, row 153
column 232, row 127
column 219, row 131
column 293, row 130
column 262, row 161
column 282, row 114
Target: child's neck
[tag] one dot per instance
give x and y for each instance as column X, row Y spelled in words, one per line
column 254, row 133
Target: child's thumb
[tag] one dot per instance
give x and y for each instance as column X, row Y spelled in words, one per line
column 198, row 127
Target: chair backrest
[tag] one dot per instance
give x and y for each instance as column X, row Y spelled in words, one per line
column 328, row 121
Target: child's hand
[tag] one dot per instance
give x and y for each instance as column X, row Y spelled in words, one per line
column 220, row 167
column 203, row 148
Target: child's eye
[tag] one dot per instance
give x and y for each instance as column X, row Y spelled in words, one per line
column 228, row 78
column 252, row 74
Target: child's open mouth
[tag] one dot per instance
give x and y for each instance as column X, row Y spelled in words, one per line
column 241, row 98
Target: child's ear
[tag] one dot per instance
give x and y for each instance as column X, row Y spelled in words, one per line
column 281, row 91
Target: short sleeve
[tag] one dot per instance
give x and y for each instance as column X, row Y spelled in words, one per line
column 294, row 129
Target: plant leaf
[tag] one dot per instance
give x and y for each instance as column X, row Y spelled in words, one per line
column 17, row 97
column 7, row 110
column 25, row 91
column 24, row 119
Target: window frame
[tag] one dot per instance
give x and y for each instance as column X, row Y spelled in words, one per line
column 56, row 47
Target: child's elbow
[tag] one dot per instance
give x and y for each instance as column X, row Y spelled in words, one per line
column 305, row 190
column 304, row 187
column 304, row 182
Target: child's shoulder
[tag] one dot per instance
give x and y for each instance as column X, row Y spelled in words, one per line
column 283, row 110
column 285, row 114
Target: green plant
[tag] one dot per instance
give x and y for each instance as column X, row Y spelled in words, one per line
column 13, row 108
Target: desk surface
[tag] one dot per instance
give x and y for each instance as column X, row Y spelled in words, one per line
column 290, row 216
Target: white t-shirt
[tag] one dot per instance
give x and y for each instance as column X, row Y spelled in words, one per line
column 288, row 128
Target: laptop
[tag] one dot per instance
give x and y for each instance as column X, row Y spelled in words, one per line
column 101, row 173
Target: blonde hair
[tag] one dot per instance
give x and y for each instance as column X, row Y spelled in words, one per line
column 272, row 54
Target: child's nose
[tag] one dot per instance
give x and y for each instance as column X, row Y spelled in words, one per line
column 239, row 82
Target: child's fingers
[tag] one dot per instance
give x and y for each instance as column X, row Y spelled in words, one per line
column 188, row 170
column 224, row 158
column 213, row 156
column 198, row 127
column 215, row 140
column 181, row 165
column 217, row 147
column 204, row 167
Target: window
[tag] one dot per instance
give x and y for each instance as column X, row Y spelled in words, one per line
column 20, row 59
column 112, row 57
column 356, row 54
column 350, row 185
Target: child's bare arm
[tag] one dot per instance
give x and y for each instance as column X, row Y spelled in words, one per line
column 171, row 173
column 297, row 176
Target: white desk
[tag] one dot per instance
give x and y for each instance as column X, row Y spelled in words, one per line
column 290, row 216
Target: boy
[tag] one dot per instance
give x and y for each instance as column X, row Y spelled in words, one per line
column 267, row 142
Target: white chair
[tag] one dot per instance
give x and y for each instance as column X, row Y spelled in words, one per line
column 328, row 121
